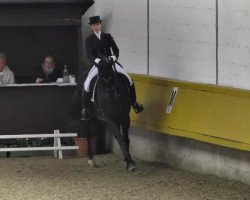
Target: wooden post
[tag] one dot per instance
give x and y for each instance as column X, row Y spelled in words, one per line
column 55, row 145
column 59, row 144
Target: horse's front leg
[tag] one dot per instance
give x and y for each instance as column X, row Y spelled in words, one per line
column 124, row 145
column 124, row 130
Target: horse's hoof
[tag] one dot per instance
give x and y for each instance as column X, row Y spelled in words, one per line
column 91, row 163
column 131, row 166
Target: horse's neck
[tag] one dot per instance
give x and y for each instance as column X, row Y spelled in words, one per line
column 113, row 98
column 108, row 82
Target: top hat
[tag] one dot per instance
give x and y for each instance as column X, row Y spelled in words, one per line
column 94, row 19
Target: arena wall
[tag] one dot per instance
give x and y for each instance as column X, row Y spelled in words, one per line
column 198, row 46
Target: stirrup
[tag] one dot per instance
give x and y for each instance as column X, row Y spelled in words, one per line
column 85, row 114
column 137, row 107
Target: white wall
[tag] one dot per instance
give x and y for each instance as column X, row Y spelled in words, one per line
column 183, row 40
column 234, row 43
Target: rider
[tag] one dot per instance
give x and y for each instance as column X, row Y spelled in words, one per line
column 99, row 45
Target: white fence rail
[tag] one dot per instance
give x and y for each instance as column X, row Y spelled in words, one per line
column 57, row 148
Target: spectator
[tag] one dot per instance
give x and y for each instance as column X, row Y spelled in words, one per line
column 6, row 75
column 48, row 72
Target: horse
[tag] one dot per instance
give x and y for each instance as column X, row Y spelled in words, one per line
column 112, row 99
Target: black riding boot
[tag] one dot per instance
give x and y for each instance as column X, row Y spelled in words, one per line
column 136, row 106
column 85, row 114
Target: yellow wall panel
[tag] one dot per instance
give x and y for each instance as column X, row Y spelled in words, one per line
column 156, row 97
column 218, row 115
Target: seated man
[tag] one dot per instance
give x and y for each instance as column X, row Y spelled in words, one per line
column 99, row 45
column 48, row 72
column 6, row 75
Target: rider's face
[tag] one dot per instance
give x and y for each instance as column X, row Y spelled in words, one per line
column 97, row 27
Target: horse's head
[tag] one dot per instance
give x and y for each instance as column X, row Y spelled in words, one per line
column 105, row 68
column 107, row 78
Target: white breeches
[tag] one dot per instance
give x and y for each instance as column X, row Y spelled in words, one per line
column 94, row 71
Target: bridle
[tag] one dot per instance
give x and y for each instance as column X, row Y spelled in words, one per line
column 106, row 79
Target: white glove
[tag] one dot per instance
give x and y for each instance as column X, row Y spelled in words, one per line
column 97, row 60
column 113, row 58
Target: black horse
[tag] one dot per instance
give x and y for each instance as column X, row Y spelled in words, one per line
column 112, row 99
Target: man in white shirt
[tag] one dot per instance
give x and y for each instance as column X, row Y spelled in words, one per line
column 6, row 75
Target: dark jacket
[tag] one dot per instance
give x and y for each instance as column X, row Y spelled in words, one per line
column 96, row 48
column 47, row 78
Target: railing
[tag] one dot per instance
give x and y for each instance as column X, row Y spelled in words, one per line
column 57, row 148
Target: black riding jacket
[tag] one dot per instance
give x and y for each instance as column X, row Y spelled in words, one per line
column 97, row 48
